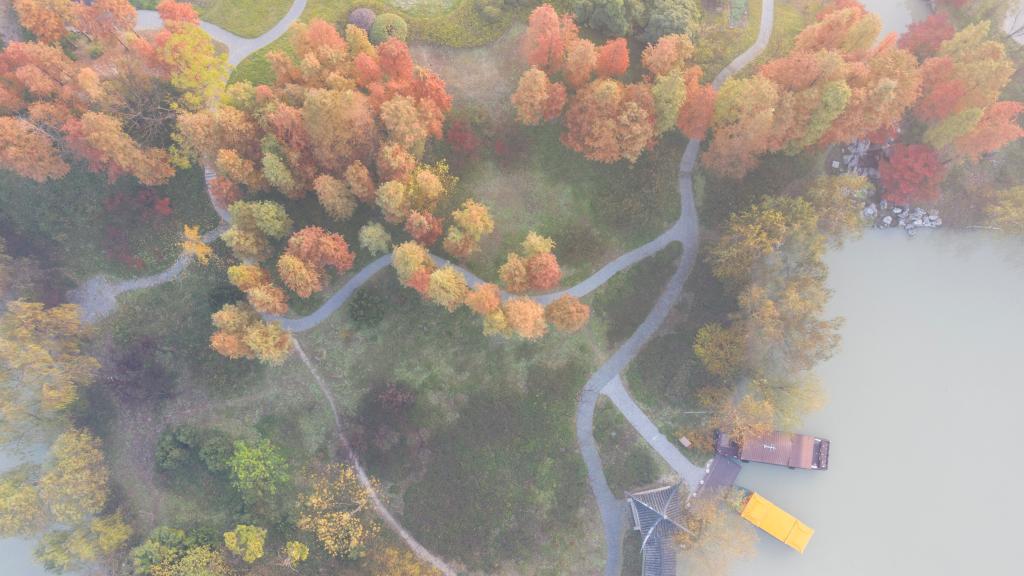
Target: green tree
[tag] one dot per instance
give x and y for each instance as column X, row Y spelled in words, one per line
column 258, row 469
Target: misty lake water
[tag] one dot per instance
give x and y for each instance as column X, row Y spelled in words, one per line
column 924, row 413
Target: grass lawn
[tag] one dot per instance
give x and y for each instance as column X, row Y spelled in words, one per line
column 163, row 374
column 593, row 211
column 629, row 462
column 717, row 43
column 460, row 26
column 88, row 225
column 480, row 459
column 623, row 302
column 245, row 18
column 791, row 16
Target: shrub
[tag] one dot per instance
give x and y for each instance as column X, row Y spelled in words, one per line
column 490, row 10
column 388, row 25
column 172, row 451
column 367, row 308
column 362, row 17
column 216, row 451
column 170, row 454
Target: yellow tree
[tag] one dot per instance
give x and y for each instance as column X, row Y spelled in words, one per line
column 714, row 536
column 333, row 510
column 246, row 542
column 393, row 562
column 75, row 485
column 42, row 366
column 21, row 510
column 721, row 350
column 192, row 243
column 448, row 288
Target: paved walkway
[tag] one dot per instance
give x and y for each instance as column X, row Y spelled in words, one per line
column 688, row 471
column 98, row 298
column 239, row 48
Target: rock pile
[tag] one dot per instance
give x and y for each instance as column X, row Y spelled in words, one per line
column 884, row 215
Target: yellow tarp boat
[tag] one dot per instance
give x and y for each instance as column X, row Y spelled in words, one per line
column 777, row 522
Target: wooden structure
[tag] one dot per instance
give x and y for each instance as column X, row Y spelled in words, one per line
column 658, row 516
column 777, row 522
column 779, row 448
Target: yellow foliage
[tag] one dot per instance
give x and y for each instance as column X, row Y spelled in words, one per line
column 75, row 486
column 333, row 511
column 193, row 244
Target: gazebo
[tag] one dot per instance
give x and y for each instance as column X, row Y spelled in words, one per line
column 658, row 515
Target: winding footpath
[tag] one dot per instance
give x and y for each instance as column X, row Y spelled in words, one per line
column 98, row 297
column 239, row 48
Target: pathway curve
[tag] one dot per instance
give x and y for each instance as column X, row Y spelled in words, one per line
column 98, row 297
column 612, row 510
column 239, row 48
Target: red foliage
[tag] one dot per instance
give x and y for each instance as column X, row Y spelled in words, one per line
column 424, row 227
column 698, row 110
column 924, row 38
column 546, row 38
column 613, row 58
column 912, row 174
column 997, row 128
column 319, row 248
column 942, row 91
column 462, row 138
column 543, row 272
column 172, row 13
column 224, row 191
column 420, row 281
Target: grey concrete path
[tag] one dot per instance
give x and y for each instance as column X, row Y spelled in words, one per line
column 685, row 231
column 239, row 48
column 688, row 471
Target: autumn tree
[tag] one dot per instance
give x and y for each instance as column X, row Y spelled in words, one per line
column 21, row 509
column 42, row 366
column 715, row 536
column 720, row 349
column 613, row 58
column 408, row 259
column 743, row 121
column 608, row 121
column 925, row 37
column 1006, row 211
column 567, row 313
column 472, row 222
column 374, row 238
column 75, row 485
column 241, row 333
column 448, row 288
column 334, row 510
column 525, row 317
column 29, row 151
column 911, row 174
column 47, row 20
column 253, row 226
column 310, row 252
column 514, row 275
column 839, row 201
column 484, row 299
column 749, row 237
column 547, row 34
column 390, row 561
column 537, row 99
